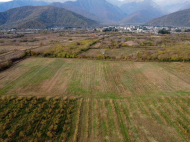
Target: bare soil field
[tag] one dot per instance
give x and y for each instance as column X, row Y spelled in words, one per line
column 94, row 79
column 92, row 53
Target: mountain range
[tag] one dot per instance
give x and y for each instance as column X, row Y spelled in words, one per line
column 141, row 12
column 114, row 2
column 101, row 8
column 176, row 19
column 77, row 10
column 102, row 11
column 42, row 17
column 176, row 7
column 149, row 5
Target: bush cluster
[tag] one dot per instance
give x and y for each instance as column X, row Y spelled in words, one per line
column 164, row 31
column 178, row 52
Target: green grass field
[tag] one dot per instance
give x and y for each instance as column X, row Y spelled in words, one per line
column 94, row 79
column 109, row 101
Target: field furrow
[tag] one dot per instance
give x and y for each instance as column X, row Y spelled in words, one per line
column 76, row 100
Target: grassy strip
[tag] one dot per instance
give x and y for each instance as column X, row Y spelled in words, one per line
column 76, row 133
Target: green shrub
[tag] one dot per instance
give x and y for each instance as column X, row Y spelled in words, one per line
column 100, row 56
column 163, row 57
column 61, row 55
column 164, row 31
column 187, row 30
column 175, row 57
column 154, row 56
column 178, row 30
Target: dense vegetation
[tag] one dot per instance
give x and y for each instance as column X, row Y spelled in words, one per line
column 187, row 30
column 178, row 52
column 72, row 50
column 54, row 119
column 35, row 118
column 164, row 31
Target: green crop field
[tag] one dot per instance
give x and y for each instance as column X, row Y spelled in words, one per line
column 35, row 119
column 143, row 119
column 89, row 100
column 95, row 79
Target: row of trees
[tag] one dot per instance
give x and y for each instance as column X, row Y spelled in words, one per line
column 35, row 118
column 168, row 54
column 13, row 58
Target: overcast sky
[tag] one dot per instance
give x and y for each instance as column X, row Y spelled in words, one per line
column 161, row 2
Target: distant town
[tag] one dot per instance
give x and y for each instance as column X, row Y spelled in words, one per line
column 121, row 29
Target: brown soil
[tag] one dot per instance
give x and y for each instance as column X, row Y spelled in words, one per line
column 131, row 43
column 91, row 53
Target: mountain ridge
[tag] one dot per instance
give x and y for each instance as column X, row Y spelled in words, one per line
column 101, row 8
column 177, row 19
column 77, row 10
column 42, row 17
column 187, row 6
column 131, row 7
column 138, row 17
column 141, row 12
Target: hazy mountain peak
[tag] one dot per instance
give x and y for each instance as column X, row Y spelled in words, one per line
column 133, row 6
column 114, row 2
column 101, row 8
column 141, row 11
column 178, row 19
column 186, row 6
column 78, row 10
